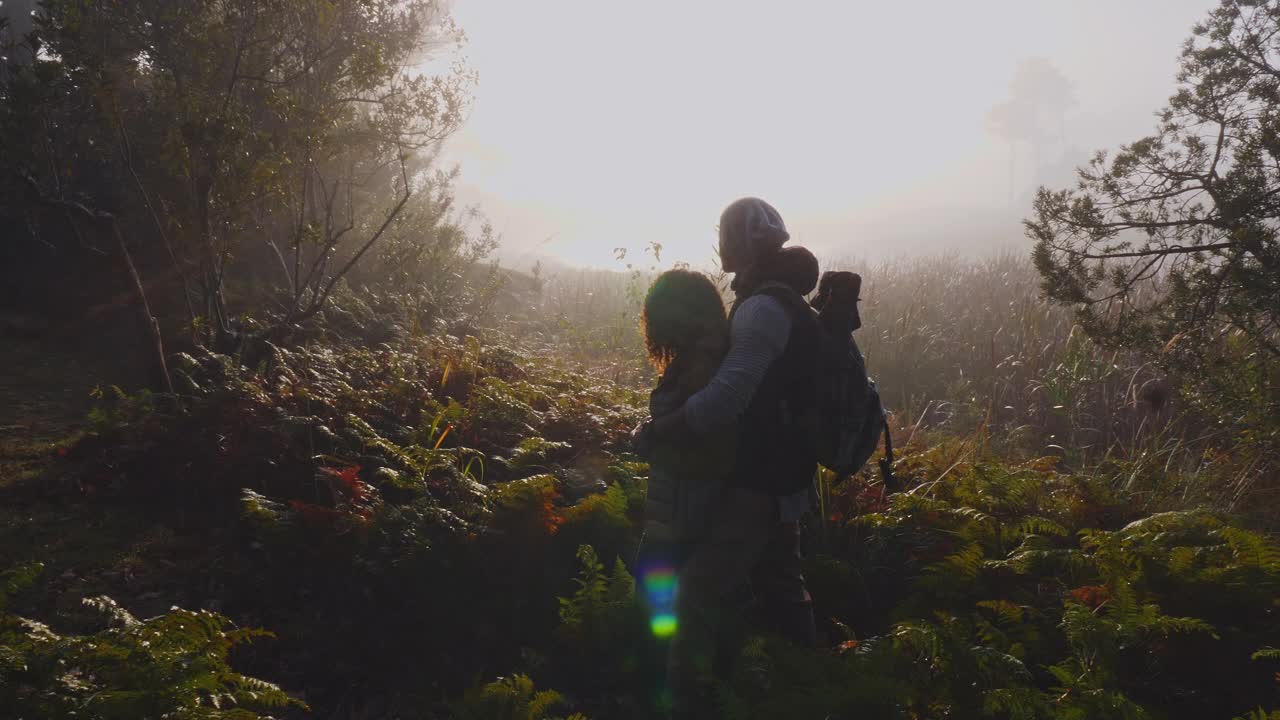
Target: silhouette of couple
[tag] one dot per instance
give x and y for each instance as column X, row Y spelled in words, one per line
column 730, row 444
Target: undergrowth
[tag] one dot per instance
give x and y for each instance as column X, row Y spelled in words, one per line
column 174, row 665
column 443, row 527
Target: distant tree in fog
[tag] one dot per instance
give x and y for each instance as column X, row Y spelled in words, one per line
column 1035, row 113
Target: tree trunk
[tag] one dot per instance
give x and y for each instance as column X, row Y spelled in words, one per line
column 1013, row 153
column 150, row 319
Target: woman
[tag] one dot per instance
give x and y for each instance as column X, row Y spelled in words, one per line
column 686, row 336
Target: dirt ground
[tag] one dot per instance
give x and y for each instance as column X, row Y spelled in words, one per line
column 87, row 548
column 44, row 398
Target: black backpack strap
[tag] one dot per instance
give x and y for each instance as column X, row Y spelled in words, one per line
column 891, row 482
column 791, row 300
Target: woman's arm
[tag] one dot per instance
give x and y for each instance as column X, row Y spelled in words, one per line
column 757, row 337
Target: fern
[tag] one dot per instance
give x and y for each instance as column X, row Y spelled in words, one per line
column 536, row 452
column 1033, row 525
column 174, row 665
column 17, row 579
column 1259, row 714
column 598, row 611
column 513, row 698
column 582, row 611
column 1017, row 703
column 963, row 564
column 622, row 586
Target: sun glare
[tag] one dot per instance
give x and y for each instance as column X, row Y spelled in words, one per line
column 603, row 125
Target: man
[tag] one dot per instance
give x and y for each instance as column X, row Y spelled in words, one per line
column 766, row 386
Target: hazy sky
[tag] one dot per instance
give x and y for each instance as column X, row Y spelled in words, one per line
column 600, row 124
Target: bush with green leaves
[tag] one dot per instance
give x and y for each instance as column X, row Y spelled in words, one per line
column 1093, row 606
column 175, row 665
column 513, row 698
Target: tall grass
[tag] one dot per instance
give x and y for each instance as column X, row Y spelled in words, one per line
column 958, row 345
column 966, row 342
column 967, row 346
column 587, row 318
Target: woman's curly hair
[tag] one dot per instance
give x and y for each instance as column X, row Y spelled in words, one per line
column 682, row 310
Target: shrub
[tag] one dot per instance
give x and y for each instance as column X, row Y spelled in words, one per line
column 175, row 665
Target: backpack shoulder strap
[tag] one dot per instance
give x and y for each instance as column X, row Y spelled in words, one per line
column 792, row 301
column 892, row 483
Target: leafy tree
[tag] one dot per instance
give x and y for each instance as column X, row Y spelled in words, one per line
column 281, row 133
column 1171, row 243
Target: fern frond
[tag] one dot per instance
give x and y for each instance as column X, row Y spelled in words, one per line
column 1034, row 525
column 965, row 563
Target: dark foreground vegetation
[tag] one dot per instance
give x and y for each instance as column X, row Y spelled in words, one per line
column 440, row 526
column 279, row 441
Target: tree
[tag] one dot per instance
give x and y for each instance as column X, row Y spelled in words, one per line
column 1171, row 244
column 15, row 20
column 1039, row 98
column 230, row 131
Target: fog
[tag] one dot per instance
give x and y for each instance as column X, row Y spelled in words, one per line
column 876, row 128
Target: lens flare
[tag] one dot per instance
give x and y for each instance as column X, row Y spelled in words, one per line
column 659, row 584
column 663, row 625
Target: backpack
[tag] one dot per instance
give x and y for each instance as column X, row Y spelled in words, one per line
column 848, row 420
column 851, row 415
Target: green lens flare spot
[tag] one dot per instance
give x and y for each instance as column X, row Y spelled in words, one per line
column 663, row 626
